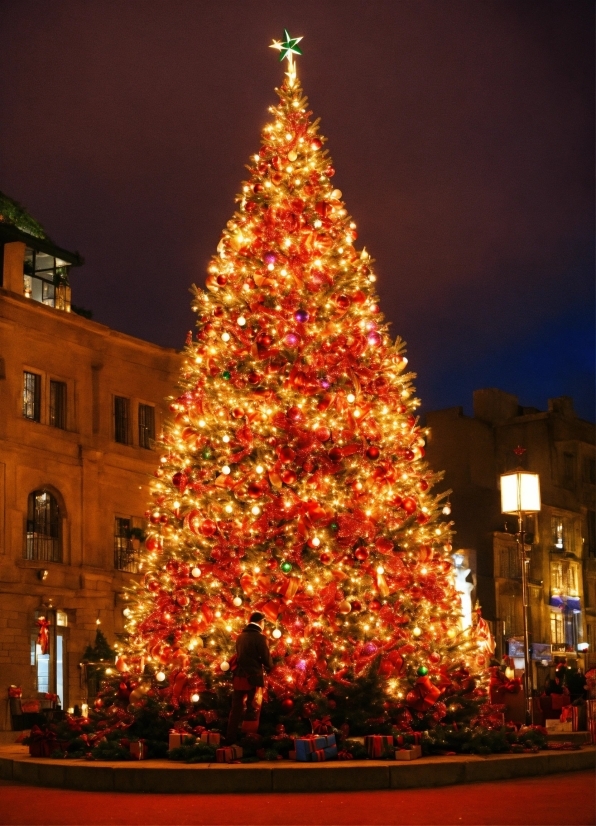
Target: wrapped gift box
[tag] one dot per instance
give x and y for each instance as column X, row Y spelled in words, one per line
column 412, row 753
column 376, row 744
column 320, row 755
column 228, row 754
column 177, row 738
column 139, row 750
column 212, row 738
column 305, row 746
column 570, row 714
column 557, row 727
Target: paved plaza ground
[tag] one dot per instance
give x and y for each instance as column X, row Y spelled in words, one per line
column 555, row 800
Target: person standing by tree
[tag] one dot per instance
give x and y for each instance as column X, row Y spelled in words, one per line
column 252, row 657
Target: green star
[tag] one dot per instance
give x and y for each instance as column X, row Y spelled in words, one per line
column 288, row 47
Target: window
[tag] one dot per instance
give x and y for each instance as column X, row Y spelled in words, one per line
column 121, row 420
column 562, row 534
column 32, row 396
column 45, row 279
column 557, row 627
column 43, row 527
column 58, row 404
column 589, row 470
column 564, row 577
column 128, row 535
column 568, row 468
column 146, row 425
column 591, row 533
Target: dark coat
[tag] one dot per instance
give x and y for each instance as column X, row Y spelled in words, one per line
column 253, row 655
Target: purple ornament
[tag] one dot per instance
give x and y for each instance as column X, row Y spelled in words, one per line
column 324, row 383
column 269, row 258
column 302, row 316
column 369, row 649
column 374, row 339
column 301, row 665
column 291, row 339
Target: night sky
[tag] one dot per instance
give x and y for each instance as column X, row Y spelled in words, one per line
column 461, row 131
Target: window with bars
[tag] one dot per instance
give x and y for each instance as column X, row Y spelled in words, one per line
column 128, row 534
column 509, row 563
column 58, row 404
column 121, row 420
column 32, row 396
column 43, row 538
column 146, row 425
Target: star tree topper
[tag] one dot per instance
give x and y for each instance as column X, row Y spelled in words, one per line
column 287, row 48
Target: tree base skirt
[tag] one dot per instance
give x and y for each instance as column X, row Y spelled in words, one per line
column 354, row 775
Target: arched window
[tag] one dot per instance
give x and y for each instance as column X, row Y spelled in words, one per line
column 44, row 540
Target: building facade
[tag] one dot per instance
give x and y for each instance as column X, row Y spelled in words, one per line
column 560, row 540
column 80, row 405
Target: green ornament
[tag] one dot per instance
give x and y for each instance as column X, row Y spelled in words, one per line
column 226, row 375
column 422, row 671
column 207, row 453
column 286, row 567
column 334, row 526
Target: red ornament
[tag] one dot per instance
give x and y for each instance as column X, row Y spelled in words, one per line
column 180, row 481
column 335, row 454
column 323, row 434
column 373, row 452
column 343, row 301
column 316, row 144
column 374, row 605
column 422, row 518
column 356, row 605
column 286, row 454
column 361, row 554
column 237, row 413
column 208, row 527
column 153, row 543
column 287, row 704
column 294, row 414
column 288, row 477
column 423, row 485
column 325, row 558
column 222, row 280
column 409, row 505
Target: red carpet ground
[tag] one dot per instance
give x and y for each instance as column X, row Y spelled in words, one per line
column 556, row 800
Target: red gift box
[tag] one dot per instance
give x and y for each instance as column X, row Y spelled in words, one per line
column 15, row 692
column 376, row 744
column 42, row 742
column 212, row 738
column 570, row 714
column 177, row 738
column 139, row 750
column 228, row 754
column 320, row 755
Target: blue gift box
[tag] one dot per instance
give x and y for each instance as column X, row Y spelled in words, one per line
column 305, row 746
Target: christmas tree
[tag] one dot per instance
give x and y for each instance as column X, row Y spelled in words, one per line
column 292, row 478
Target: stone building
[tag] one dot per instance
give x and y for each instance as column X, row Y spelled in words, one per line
column 79, row 407
column 561, row 539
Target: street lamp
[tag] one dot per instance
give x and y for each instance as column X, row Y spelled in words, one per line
column 520, row 494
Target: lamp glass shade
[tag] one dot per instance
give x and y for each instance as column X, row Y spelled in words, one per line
column 520, row 492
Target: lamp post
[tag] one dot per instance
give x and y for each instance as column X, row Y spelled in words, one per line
column 520, row 494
